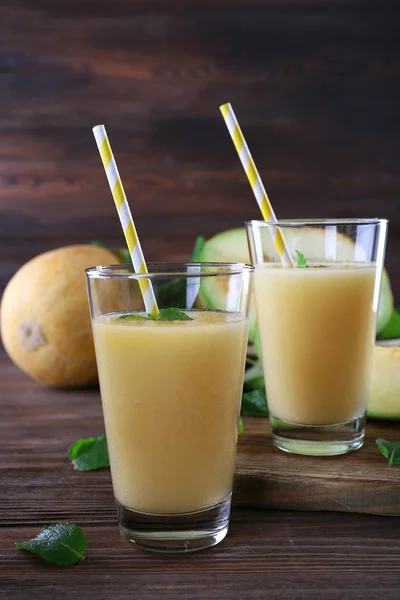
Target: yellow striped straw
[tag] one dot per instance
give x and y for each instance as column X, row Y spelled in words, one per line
column 256, row 184
column 124, row 213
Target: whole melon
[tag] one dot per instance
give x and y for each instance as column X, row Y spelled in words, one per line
column 44, row 316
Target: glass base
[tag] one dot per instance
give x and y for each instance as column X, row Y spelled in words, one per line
column 318, row 440
column 184, row 532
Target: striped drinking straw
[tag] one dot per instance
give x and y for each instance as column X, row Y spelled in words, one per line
column 256, row 184
column 128, row 226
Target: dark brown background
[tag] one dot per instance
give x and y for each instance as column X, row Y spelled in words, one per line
column 316, row 85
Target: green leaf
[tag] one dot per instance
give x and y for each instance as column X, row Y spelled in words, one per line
column 254, row 377
column 62, row 544
column 392, row 329
column 198, row 248
column 301, row 261
column 390, row 450
column 89, row 454
column 172, row 314
column 172, row 293
column 123, row 255
column 99, row 244
column 132, row 316
column 254, row 404
column 240, row 428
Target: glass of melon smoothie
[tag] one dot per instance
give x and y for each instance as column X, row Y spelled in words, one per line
column 171, row 393
column 317, row 329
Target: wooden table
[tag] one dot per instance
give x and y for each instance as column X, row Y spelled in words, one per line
column 267, row 554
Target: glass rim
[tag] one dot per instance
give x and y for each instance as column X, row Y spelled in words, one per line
column 125, row 271
column 312, row 222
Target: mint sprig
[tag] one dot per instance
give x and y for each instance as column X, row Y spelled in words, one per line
column 254, row 377
column 132, row 316
column 172, row 314
column 62, row 544
column 301, row 260
column 89, row 454
column 121, row 253
column 390, row 450
column 254, row 403
column 165, row 314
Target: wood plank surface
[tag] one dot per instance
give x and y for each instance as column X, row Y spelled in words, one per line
column 281, row 556
column 275, row 554
column 315, row 83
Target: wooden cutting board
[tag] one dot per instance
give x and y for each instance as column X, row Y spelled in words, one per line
column 357, row 482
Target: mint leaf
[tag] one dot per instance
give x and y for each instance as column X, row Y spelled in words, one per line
column 390, row 450
column 133, row 316
column 198, row 248
column 254, row 377
column 172, row 314
column 301, row 261
column 62, row 544
column 99, row 244
column 392, row 329
column 174, row 292
column 254, row 404
column 123, row 255
column 89, row 454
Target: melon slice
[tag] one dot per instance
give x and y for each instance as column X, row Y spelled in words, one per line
column 384, row 400
column 228, row 246
column 231, row 246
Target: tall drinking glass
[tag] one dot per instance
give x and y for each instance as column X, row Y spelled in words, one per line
column 317, row 326
column 171, row 393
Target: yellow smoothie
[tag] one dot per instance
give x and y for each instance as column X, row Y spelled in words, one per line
column 171, row 395
column 317, row 331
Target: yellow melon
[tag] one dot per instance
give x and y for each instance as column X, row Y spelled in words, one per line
column 44, row 316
